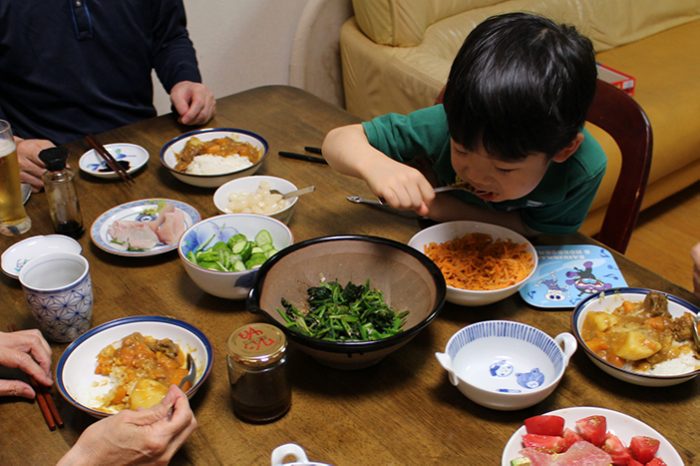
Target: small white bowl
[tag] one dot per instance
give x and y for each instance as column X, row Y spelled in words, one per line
column 506, row 365
column 447, row 231
column 17, row 255
column 249, row 184
column 92, row 164
column 609, row 300
column 175, row 145
column 75, row 372
column 230, row 285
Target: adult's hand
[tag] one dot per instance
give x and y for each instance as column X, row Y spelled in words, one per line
column 27, row 351
column 194, row 102
column 30, row 166
column 149, row 436
column 695, row 254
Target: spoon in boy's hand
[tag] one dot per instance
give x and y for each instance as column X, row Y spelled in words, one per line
column 297, row 193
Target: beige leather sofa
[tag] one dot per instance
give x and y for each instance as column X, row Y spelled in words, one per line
column 396, row 55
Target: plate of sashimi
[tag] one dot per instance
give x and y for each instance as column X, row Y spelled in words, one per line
column 588, row 436
column 143, row 228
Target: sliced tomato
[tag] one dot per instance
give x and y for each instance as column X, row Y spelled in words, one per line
column 546, row 443
column 592, row 429
column 570, row 437
column 613, row 446
column 634, row 462
column 656, row 462
column 643, row 448
column 545, row 425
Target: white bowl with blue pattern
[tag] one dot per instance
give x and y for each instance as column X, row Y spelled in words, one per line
column 229, row 285
column 506, row 365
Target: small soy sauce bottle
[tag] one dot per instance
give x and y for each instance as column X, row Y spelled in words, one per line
column 60, row 192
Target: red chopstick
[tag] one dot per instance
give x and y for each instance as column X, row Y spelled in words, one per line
column 44, row 399
column 107, row 157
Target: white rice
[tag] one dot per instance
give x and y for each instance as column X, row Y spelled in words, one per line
column 207, row 164
column 686, row 362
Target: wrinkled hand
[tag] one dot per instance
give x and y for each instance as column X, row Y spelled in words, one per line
column 31, row 167
column 149, row 436
column 401, row 186
column 194, row 102
column 695, row 254
column 27, row 351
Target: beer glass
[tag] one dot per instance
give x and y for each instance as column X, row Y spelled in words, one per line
column 13, row 218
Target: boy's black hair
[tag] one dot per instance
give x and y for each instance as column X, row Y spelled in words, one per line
column 520, row 84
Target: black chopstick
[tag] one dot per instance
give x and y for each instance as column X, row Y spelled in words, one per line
column 308, row 158
column 107, row 157
column 313, row 150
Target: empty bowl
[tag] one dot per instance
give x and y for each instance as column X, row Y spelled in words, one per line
column 205, row 234
column 250, row 184
column 408, row 280
column 168, row 156
column 447, row 231
column 668, row 373
column 17, row 255
column 506, row 365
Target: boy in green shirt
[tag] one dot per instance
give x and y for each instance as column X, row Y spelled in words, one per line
column 510, row 126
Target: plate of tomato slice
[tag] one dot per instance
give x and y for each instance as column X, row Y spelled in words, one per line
column 576, row 432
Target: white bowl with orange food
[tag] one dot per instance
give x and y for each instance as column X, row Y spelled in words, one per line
column 482, row 263
column 94, row 375
column 638, row 335
column 210, row 157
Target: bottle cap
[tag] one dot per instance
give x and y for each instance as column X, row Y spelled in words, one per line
column 257, row 344
column 54, row 158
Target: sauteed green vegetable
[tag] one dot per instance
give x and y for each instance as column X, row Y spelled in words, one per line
column 337, row 313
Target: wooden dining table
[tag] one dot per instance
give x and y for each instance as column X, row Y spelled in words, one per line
column 402, row 411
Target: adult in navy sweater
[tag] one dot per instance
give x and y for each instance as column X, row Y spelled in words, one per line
column 74, row 67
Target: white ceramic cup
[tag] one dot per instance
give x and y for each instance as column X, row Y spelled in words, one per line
column 59, row 294
column 292, row 450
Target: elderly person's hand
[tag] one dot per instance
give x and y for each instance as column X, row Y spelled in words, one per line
column 149, row 436
column 695, row 254
column 194, row 102
column 30, row 166
column 28, row 351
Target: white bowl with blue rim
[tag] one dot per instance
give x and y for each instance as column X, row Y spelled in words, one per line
column 168, row 157
column 506, row 365
column 205, row 234
column 17, row 255
column 75, row 372
column 607, row 301
column 124, row 153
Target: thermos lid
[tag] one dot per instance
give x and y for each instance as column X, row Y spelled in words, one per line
column 54, row 158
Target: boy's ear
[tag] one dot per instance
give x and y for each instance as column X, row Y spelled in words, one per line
column 569, row 150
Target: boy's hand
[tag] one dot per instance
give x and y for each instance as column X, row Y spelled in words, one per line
column 401, row 186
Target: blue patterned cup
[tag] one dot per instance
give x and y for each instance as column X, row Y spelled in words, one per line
column 59, row 293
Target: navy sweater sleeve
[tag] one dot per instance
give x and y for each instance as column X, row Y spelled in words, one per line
column 174, row 57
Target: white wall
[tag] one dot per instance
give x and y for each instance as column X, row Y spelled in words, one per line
column 240, row 44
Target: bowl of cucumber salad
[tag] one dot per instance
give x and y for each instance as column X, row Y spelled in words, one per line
column 222, row 254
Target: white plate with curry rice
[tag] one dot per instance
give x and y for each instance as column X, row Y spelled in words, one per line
column 210, row 157
column 638, row 335
column 82, row 387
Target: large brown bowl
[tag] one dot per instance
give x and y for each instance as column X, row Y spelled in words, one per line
column 409, row 280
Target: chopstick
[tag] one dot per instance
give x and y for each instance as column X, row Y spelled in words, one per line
column 107, row 157
column 313, row 150
column 308, row 158
column 44, row 399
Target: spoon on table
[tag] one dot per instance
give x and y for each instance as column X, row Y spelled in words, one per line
column 297, row 193
column 191, row 373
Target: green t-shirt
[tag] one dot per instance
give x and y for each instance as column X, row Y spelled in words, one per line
column 558, row 204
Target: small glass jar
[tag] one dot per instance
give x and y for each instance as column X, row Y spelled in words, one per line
column 257, row 370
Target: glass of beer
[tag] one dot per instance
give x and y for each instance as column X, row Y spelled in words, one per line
column 13, row 218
